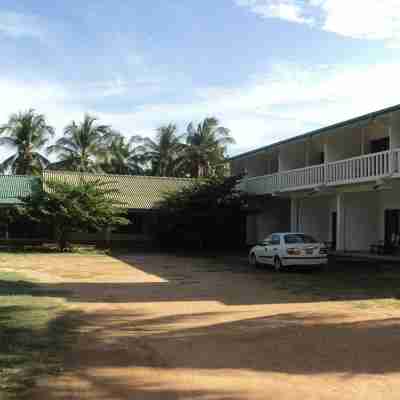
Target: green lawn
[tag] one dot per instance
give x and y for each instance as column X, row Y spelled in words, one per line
column 33, row 335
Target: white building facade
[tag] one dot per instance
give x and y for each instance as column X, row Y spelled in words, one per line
column 340, row 183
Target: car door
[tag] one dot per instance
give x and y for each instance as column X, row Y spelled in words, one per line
column 274, row 246
column 264, row 251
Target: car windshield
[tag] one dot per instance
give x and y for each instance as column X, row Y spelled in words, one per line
column 296, row 238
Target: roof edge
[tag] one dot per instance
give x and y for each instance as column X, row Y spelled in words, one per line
column 170, row 178
column 319, row 131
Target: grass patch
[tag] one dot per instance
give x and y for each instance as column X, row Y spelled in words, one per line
column 34, row 334
column 53, row 249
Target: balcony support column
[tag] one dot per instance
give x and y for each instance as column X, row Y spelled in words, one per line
column 294, row 215
column 308, row 153
column 340, row 227
column 363, row 147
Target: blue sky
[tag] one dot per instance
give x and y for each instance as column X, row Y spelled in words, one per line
column 268, row 69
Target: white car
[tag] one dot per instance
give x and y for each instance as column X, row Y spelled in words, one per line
column 289, row 249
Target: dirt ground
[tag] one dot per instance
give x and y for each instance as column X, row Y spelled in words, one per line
column 167, row 327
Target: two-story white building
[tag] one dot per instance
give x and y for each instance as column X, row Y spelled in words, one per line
column 340, row 183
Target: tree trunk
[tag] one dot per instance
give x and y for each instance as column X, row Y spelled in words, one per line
column 62, row 241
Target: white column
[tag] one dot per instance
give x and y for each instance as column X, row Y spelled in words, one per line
column 363, row 147
column 340, row 228
column 389, row 132
column 294, row 215
column 325, row 149
column 308, row 153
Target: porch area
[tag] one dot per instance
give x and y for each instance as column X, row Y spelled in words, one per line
column 366, row 168
column 365, row 256
column 363, row 220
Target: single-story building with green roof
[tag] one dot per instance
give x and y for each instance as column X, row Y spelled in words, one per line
column 140, row 195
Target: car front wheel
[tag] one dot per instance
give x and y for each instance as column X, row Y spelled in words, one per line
column 278, row 264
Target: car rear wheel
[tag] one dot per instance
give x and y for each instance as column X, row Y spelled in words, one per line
column 278, row 267
column 253, row 260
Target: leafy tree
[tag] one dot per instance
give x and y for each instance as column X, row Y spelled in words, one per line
column 206, row 147
column 82, row 207
column 165, row 153
column 80, row 146
column 27, row 133
column 123, row 157
column 208, row 214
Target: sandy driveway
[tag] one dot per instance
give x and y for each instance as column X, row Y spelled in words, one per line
column 165, row 327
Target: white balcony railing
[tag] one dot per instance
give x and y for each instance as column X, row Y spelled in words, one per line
column 358, row 169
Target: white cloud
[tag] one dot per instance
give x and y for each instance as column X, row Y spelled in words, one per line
column 18, row 25
column 358, row 19
column 289, row 10
column 288, row 100
column 363, row 19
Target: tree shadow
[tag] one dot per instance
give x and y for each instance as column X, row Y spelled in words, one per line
column 29, row 351
column 287, row 343
column 294, row 343
column 309, row 344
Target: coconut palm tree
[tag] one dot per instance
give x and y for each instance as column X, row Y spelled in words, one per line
column 120, row 156
column 27, row 133
column 80, row 146
column 165, row 153
column 206, row 147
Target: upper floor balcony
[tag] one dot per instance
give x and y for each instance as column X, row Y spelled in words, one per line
column 365, row 168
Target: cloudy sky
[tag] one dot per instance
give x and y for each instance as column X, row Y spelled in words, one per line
column 268, row 69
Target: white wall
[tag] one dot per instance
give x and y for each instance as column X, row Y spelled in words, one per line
column 292, row 156
column 315, row 216
column 343, row 144
column 258, row 164
column 274, row 216
column 361, row 220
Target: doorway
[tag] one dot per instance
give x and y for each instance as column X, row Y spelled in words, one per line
column 334, row 229
column 392, row 226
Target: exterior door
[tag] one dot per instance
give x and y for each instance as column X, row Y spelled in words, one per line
column 392, row 226
column 334, row 229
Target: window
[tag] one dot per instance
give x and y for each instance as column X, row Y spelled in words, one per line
column 275, row 239
column 379, row 145
column 296, row 238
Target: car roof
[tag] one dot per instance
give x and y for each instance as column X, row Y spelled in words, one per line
column 288, row 233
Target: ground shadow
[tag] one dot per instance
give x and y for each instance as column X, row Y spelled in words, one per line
column 294, row 343
column 288, row 343
column 229, row 282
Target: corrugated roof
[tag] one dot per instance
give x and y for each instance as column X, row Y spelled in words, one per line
column 343, row 124
column 135, row 192
column 13, row 187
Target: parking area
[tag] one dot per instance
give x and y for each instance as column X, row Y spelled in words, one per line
column 156, row 326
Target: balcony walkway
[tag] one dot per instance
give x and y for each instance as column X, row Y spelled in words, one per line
column 364, row 256
column 369, row 167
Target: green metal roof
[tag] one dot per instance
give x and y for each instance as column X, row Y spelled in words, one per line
column 13, row 187
column 135, row 192
column 343, row 124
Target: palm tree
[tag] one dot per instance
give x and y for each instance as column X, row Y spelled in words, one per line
column 165, row 153
column 123, row 157
column 27, row 133
column 206, row 147
column 80, row 146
